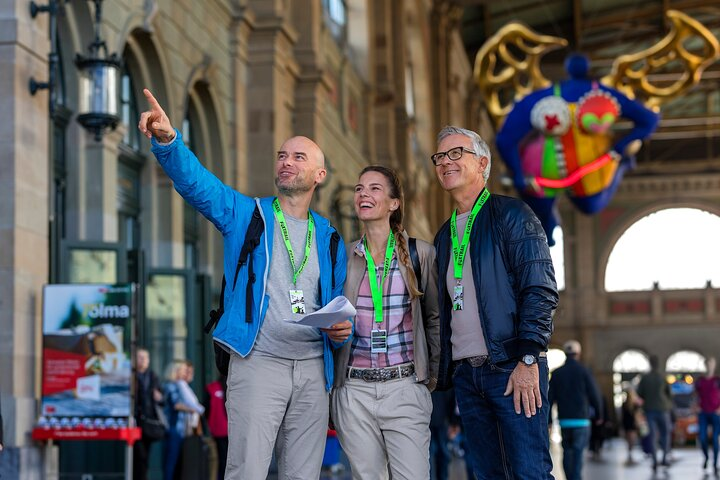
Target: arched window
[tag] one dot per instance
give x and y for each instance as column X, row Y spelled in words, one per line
column 557, row 252
column 627, row 368
column 670, row 249
column 191, row 230
column 685, row 361
column 631, row 361
column 129, row 112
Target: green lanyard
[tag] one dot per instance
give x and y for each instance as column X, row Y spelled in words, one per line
column 375, row 289
column 460, row 251
column 286, row 238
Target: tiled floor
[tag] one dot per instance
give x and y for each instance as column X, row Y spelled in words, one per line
column 686, row 465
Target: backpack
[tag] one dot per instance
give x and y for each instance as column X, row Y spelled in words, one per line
column 252, row 240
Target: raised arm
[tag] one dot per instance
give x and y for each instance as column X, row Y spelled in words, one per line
column 195, row 183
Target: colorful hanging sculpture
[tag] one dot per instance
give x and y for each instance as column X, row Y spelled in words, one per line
column 558, row 137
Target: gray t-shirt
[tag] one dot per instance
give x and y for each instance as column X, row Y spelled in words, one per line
column 279, row 337
column 467, row 334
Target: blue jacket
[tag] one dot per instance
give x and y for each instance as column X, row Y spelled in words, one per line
column 514, row 283
column 231, row 212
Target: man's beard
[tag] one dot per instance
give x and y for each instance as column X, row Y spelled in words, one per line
column 296, row 187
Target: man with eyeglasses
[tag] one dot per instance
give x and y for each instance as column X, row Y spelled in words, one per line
column 497, row 296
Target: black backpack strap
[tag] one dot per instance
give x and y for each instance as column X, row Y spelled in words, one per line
column 217, row 313
column 415, row 259
column 252, row 239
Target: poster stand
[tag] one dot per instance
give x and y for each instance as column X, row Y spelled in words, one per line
column 88, row 366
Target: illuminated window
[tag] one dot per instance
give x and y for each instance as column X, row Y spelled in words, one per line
column 557, row 253
column 673, row 249
column 685, row 361
column 336, row 18
column 631, row 361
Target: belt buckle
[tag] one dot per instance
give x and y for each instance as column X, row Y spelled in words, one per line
column 478, row 361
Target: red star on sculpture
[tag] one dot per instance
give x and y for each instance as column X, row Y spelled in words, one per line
column 551, row 121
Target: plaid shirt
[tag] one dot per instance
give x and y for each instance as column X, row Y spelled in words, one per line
column 397, row 320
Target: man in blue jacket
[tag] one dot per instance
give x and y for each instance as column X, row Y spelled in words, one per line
column 279, row 372
column 574, row 390
column 495, row 315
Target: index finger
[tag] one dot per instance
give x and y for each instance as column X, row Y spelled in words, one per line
column 151, row 99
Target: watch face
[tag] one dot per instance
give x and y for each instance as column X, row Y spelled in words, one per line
column 528, row 359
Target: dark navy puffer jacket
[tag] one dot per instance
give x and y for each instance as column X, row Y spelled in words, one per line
column 514, row 282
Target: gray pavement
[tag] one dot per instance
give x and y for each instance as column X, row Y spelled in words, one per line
column 686, row 464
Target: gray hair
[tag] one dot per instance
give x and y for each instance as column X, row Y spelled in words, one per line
column 479, row 145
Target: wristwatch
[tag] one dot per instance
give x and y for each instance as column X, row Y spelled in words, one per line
column 529, row 360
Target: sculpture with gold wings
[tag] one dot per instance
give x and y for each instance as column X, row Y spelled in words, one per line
column 558, row 137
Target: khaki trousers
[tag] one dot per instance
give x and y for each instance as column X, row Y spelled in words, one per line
column 384, row 425
column 271, row 399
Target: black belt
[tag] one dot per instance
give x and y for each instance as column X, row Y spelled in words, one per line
column 480, row 360
column 477, row 361
column 381, row 374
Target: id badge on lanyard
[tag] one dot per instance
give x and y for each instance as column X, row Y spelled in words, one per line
column 458, row 302
column 297, row 301
column 378, row 341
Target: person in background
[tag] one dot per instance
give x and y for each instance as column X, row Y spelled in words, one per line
column 655, row 393
column 381, row 401
column 707, row 389
column 573, row 389
column 148, row 396
column 188, row 397
column 178, row 415
column 599, row 429
column 631, row 428
column 217, row 420
column 497, row 294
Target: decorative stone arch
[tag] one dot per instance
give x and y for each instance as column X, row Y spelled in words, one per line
column 634, row 215
column 152, row 68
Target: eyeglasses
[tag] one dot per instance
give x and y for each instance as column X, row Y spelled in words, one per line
column 453, row 154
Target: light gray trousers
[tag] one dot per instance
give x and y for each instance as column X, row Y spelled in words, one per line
column 271, row 398
column 384, row 425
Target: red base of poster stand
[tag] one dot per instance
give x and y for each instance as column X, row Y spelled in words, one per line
column 128, row 434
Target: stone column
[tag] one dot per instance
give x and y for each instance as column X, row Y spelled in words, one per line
column 24, row 239
column 272, row 72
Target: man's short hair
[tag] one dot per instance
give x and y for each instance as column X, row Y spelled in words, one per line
column 572, row 347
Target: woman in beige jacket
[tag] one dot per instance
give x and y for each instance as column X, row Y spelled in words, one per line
column 381, row 402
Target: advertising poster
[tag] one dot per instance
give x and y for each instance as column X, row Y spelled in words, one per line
column 86, row 350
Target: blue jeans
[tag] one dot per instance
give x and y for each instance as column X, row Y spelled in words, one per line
column 712, row 419
column 660, row 427
column 574, row 443
column 500, row 443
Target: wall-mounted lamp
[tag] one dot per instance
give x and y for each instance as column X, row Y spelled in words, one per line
column 100, row 74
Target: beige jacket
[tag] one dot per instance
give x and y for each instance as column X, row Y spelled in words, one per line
column 426, row 333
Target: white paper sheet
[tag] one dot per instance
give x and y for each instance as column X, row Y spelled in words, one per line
column 338, row 310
